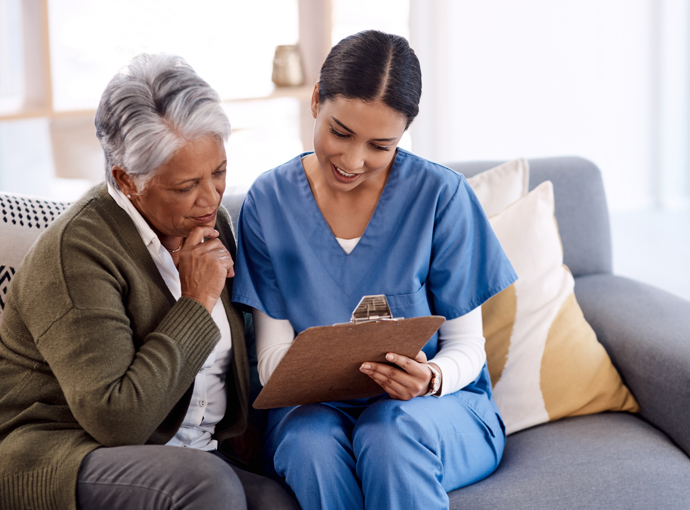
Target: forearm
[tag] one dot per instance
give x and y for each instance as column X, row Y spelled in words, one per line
column 273, row 339
column 461, row 354
column 120, row 393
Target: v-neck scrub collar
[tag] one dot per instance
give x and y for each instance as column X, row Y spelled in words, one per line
column 428, row 247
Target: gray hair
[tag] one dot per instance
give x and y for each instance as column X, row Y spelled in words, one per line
column 150, row 109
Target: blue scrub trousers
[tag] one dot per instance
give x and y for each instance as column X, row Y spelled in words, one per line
column 383, row 453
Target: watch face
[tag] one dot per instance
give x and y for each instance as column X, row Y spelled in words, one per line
column 435, row 382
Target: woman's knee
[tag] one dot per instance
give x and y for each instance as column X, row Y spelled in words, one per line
column 389, row 423
column 205, row 479
column 310, row 435
column 315, row 426
column 157, row 477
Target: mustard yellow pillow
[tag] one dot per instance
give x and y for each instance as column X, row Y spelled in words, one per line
column 544, row 358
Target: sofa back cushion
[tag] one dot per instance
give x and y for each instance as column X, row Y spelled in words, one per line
column 581, row 208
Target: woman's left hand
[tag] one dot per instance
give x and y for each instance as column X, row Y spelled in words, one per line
column 408, row 379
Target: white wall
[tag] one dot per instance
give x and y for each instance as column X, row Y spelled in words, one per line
column 505, row 79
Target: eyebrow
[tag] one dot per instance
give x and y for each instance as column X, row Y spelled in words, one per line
column 225, row 161
column 350, row 131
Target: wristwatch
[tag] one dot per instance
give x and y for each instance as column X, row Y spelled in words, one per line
column 435, row 383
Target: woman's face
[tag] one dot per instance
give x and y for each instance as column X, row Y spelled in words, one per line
column 186, row 191
column 354, row 140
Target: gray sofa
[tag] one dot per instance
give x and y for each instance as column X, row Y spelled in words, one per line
column 605, row 461
column 610, row 460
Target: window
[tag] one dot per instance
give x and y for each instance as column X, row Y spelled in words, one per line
column 11, row 82
column 229, row 43
column 56, row 57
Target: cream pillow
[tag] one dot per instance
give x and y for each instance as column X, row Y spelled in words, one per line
column 544, row 358
column 500, row 186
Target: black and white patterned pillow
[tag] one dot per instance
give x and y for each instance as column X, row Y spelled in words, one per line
column 6, row 274
column 31, row 212
column 22, row 219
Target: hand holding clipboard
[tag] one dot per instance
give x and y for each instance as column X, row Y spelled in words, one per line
column 323, row 363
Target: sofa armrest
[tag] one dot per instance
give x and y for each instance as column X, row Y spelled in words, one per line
column 646, row 332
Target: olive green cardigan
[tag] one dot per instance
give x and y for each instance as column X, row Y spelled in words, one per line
column 95, row 351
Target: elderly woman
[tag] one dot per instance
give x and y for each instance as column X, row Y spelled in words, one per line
column 123, row 369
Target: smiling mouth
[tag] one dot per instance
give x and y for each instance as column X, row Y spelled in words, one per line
column 343, row 173
column 343, row 176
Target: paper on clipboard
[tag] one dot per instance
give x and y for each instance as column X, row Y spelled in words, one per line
column 322, row 364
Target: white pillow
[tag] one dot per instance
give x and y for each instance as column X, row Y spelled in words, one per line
column 499, row 187
column 544, row 358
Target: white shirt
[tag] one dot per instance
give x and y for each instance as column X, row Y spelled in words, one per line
column 461, row 354
column 209, row 400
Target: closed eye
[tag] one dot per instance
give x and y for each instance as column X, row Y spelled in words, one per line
column 185, row 190
column 339, row 135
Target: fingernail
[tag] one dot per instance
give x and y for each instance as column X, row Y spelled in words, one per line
column 365, row 367
column 390, row 357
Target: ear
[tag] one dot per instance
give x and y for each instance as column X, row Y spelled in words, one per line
column 124, row 181
column 315, row 100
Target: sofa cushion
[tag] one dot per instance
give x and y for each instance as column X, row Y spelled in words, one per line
column 22, row 219
column 500, row 186
column 581, row 209
column 544, row 358
column 615, row 461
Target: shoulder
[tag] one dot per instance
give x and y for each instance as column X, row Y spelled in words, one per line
column 277, row 180
column 428, row 168
column 79, row 239
column 85, row 219
column 431, row 179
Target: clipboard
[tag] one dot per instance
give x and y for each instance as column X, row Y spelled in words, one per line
column 322, row 364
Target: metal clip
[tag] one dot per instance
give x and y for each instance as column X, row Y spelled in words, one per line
column 371, row 309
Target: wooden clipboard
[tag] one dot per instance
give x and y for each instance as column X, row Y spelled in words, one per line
column 322, row 364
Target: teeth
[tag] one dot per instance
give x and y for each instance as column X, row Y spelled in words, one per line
column 345, row 174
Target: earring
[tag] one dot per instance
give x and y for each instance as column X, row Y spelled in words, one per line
column 129, row 196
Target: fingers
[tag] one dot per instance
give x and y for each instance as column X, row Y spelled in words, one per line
column 408, row 379
column 214, row 249
column 197, row 234
column 393, row 387
column 204, row 266
column 413, row 367
column 228, row 263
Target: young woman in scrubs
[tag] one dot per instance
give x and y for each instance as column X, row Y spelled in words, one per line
column 360, row 216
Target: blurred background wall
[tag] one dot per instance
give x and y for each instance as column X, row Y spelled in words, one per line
column 603, row 79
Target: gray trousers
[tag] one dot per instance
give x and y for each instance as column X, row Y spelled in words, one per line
column 167, row 477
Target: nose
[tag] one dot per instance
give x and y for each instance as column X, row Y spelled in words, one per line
column 353, row 158
column 209, row 195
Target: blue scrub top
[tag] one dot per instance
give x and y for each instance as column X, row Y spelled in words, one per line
column 428, row 247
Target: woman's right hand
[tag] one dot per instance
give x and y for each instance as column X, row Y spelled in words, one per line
column 204, row 266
